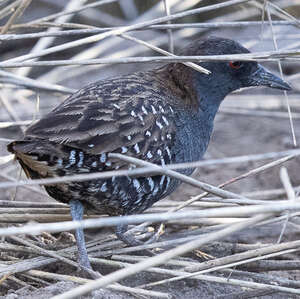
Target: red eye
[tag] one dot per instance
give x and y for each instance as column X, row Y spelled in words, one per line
column 235, row 64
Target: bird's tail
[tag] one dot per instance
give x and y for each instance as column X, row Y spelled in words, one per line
column 33, row 156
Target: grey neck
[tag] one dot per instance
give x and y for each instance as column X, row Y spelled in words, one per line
column 194, row 129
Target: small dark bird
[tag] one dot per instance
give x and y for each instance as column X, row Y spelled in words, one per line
column 164, row 115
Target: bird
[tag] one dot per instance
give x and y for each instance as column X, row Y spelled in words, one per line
column 163, row 115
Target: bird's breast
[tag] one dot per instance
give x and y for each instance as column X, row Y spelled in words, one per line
column 192, row 137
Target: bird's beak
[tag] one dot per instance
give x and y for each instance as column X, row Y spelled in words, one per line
column 262, row 77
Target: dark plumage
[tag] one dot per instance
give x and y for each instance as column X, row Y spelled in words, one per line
column 163, row 116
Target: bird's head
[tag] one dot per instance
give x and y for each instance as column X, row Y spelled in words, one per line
column 226, row 77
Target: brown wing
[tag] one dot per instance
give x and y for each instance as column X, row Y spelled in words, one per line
column 127, row 115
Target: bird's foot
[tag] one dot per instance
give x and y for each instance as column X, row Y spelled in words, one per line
column 88, row 272
column 130, row 240
column 155, row 237
column 85, row 269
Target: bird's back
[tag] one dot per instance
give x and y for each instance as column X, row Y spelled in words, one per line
column 133, row 115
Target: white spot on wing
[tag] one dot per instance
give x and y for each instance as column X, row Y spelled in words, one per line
column 148, row 133
column 94, row 164
column 149, row 155
column 124, row 149
column 60, row 162
column 141, row 118
column 168, row 152
column 103, row 187
column 153, row 110
column 165, row 120
column 133, row 113
column 168, row 182
column 91, row 145
column 108, row 163
column 159, row 152
column 151, row 183
column 102, row 158
column 144, row 110
column 161, row 108
column 162, row 180
column 129, row 137
column 159, row 124
column 136, row 148
column 81, row 157
column 155, row 191
column 72, row 159
column 136, row 184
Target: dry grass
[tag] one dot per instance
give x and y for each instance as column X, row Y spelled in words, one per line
column 52, row 49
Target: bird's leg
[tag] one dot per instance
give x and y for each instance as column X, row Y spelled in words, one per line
column 77, row 211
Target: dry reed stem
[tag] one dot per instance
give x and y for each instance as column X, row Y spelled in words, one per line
column 287, row 55
column 207, row 217
column 101, row 36
column 60, row 277
column 66, row 33
column 159, row 259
